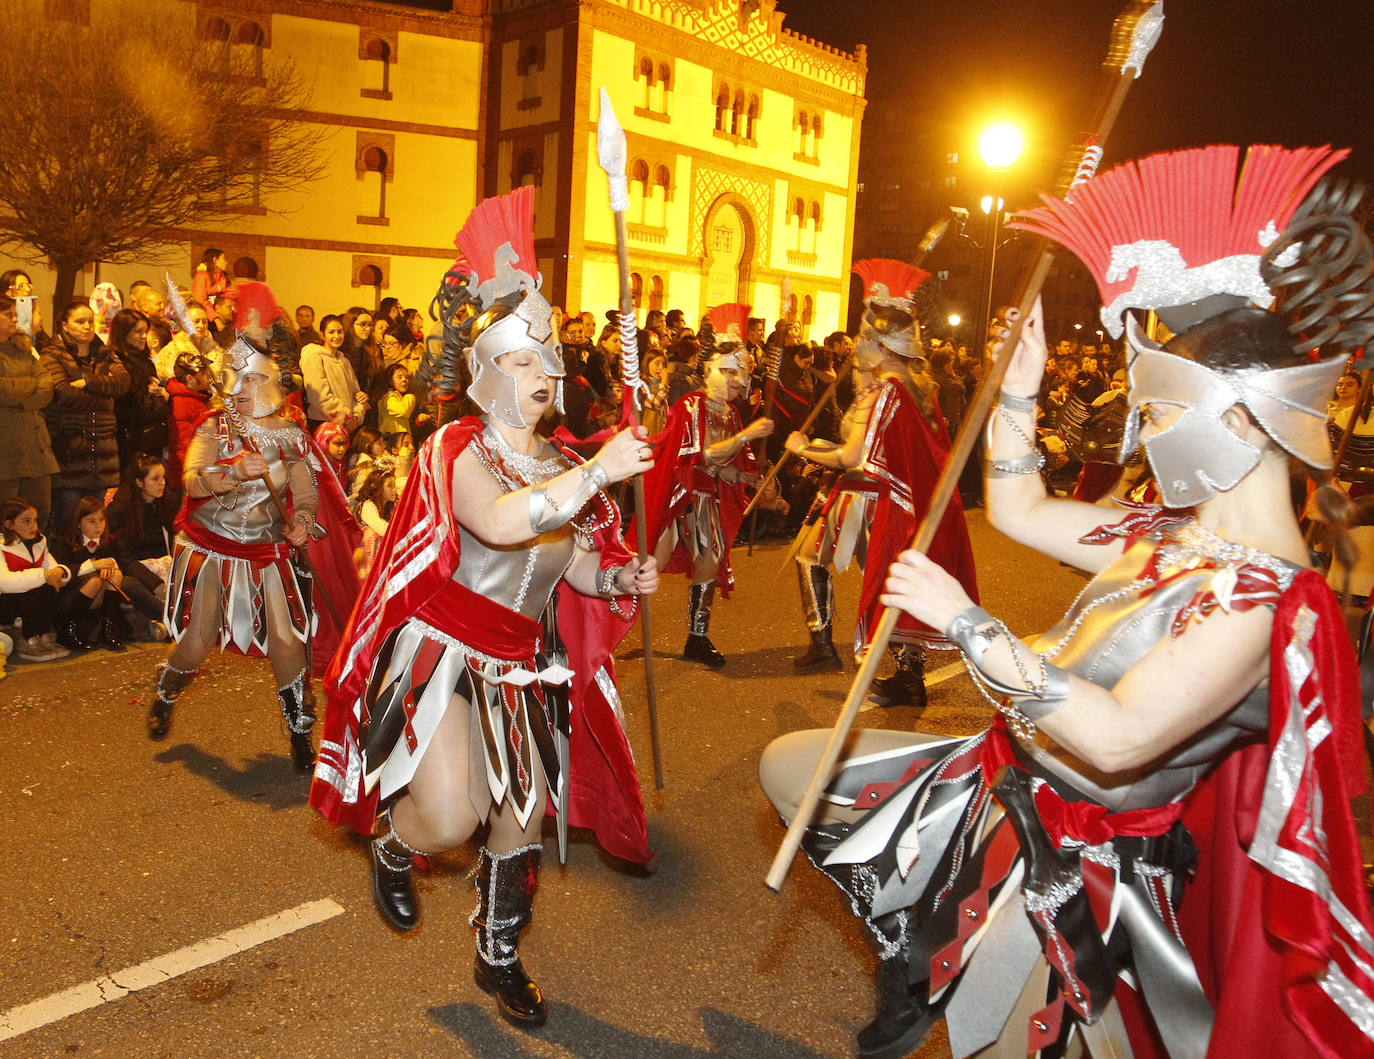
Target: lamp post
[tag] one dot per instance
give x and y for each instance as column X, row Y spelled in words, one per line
column 999, row 145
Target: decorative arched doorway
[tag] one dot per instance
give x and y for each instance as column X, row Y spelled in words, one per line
column 730, row 243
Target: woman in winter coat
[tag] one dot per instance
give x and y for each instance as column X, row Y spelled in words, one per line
column 26, row 460
column 86, row 380
column 141, row 414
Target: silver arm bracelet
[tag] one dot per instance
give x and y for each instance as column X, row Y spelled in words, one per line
column 546, row 515
column 608, row 582
column 1031, row 463
column 974, row 630
column 1015, row 402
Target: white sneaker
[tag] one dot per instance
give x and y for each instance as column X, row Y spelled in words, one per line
column 35, row 650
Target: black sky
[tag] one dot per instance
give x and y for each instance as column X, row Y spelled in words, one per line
column 1292, row 72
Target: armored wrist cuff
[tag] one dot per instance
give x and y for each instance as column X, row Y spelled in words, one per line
column 1031, row 463
column 547, row 514
column 1014, row 402
column 608, row 582
column 974, row 630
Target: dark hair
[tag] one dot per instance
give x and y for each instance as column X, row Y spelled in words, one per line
column 387, row 304
column 208, row 258
column 121, row 324
column 87, row 505
column 364, row 439
column 188, row 364
column 8, row 277
column 310, row 307
column 128, row 502
column 6, row 303
column 10, row 510
column 371, row 489
column 71, row 307
column 325, row 321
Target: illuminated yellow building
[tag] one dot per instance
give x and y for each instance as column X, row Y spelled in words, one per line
column 743, row 142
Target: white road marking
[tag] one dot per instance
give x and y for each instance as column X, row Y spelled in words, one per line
column 102, row 990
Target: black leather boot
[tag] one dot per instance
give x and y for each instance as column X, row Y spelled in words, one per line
column 80, row 630
column 392, row 888
column 111, row 636
column 907, row 686
column 699, row 647
column 299, row 714
column 171, row 682
column 818, row 598
column 902, row 1021
column 506, row 883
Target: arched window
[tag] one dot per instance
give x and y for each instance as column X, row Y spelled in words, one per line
column 663, row 84
column 639, row 190
column 375, row 162
column 371, row 276
column 252, row 161
column 751, row 117
column 796, row 219
column 803, row 130
column 737, row 114
column 216, row 29
column 636, row 287
column 378, row 54
column 806, row 315
column 656, row 293
column 526, row 169
column 722, row 105
column 814, row 216
column 245, row 268
column 658, row 214
column 250, row 34
column 645, row 75
column 815, row 136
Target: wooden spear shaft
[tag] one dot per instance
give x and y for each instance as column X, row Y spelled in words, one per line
column 1111, row 95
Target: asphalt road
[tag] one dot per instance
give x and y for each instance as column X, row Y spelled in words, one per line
column 121, row 851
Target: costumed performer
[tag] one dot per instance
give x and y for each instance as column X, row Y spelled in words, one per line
column 1190, row 728
column 894, row 443
column 233, row 580
column 694, row 498
column 475, row 681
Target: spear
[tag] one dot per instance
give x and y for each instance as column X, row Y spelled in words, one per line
column 611, row 152
column 933, row 235
column 1133, row 35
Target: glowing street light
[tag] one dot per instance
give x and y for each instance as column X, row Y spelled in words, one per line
column 999, row 145
column 955, row 319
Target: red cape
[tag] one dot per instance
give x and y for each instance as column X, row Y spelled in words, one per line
column 668, row 487
column 1278, row 901
column 415, row 560
column 907, row 455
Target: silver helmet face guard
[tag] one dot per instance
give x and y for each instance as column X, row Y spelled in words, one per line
column 243, row 359
column 528, row 326
column 1197, row 455
column 718, row 383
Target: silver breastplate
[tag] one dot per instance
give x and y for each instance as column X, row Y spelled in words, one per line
column 249, row 515
column 520, row 577
column 1110, row 628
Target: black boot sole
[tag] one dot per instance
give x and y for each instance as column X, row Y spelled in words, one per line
column 908, row 1042
column 516, row 1018
column 824, row 664
column 158, row 727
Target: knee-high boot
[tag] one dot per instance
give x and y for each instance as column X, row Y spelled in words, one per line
column 392, row 888
column 298, row 711
column 907, row 686
column 506, row 883
column 818, row 605
column 699, row 647
column 171, row 682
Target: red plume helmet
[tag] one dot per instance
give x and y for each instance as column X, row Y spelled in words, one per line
column 890, row 282
column 731, row 321
column 496, row 246
column 1179, row 228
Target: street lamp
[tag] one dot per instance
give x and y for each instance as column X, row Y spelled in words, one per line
column 955, row 319
column 999, row 145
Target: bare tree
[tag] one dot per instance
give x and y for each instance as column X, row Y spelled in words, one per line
column 121, row 132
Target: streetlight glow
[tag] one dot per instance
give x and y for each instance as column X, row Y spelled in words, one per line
column 1000, row 145
column 986, row 203
column 955, row 319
